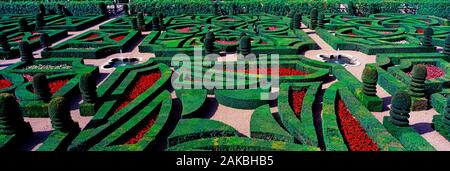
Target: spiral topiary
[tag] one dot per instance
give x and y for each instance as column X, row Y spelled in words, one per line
column 401, row 104
column 427, row 39
column 45, row 40
column 42, row 9
column 141, row 20
column 126, row 9
column 370, row 78
column 11, row 120
column 313, row 17
column 41, row 87
column 156, row 23
column 320, row 20
column 446, row 118
column 134, row 23
column 59, row 112
column 245, row 45
column 4, row 42
column 417, row 86
column 40, row 22
column 26, row 54
column 88, row 88
column 296, row 21
column 447, row 46
column 23, row 25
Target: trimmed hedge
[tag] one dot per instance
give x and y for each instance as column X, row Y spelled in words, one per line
column 333, row 139
column 191, row 100
column 74, row 23
column 124, row 22
column 408, row 137
column 264, row 126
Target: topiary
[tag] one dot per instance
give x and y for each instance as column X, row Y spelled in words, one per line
column 370, row 78
column 23, row 25
column 61, row 9
column 245, row 45
column 42, row 9
column 209, row 45
column 210, row 35
column 401, row 104
column 242, row 34
column 296, row 22
column 446, row 118
column 103, row 8
column 126, row 9
column 40, row 22
column 41, row 87
column 88, row 88
column 320, row 20
column 134, row 23
column 45, row 40
column 11, row 120
column 156, row 23
column 313, row 17
column 417, row 86
column 427, row 39
column 447, row 46
column 351, row 9
column 59, row 112
column 291, row 14
column 4, row 42
column 141, row 20
column 26, row 55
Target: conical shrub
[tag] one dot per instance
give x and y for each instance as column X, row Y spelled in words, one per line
column 11, row 119
column 427, row 39
column 134, row 23
column 26, row 54
column 141, row 20
column 45, row 40
column 370, row 78
column 245, row 45
column 447, row 46
column 42, row 9
column 40, row 22
column 88, row 88
column 59, row 112
column 103, row 8
column 41, row 87
column 156, row 23
column 313, row 17
column 417, row 85
column 296, row 22
column 4, row 42
column 401, row 104
column 126, row 9
column 320, row 22
column 23, row 25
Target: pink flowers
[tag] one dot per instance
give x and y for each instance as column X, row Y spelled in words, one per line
column 184, row 29
column 271, row 28
column 296, row 101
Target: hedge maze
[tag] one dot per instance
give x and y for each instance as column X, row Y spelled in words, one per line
column 212, row 63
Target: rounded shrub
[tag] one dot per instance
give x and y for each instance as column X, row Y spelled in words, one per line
column 370, row 78
column 427, row 39
column 134, row 23
column 88, row 88
column 41, row 87
column 40, row 22
column 417, row 85
column 23, row 25
column 313, row 17
column 401, row 104
column 291, row 13
column 296, row 21
column 156, row 23
column 42, row 9
column 4, row 42
column 59, row 112
column 26, row 54
column 11, row 120
column 126, row 9
column 45, row 40
column 103, row 8
column 320, row 21
column 209, row 45
column 245, row 45
column 447, row 46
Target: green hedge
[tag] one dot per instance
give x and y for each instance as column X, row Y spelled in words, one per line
column 333, row 139
column 241, row 99
column 408, row 137
column 124, row 22
column 77, row 8
column 191, row 100
column 58, row 141
column 74, row 23
column 264, row 126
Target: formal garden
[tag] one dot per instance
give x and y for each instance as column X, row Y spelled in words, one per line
column 234, row 75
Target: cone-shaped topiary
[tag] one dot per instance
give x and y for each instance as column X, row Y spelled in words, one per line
column 42, row 9
column 103, row 8
column 296, row 22
column 4, row 42
column 88, row 88
column 45, row 40
column 26, row 55
column 11, row 120
column 417, row 86
column 210, row 35
column 245, row 45
column 320, row 20
column 370, row 78
column 141, row 20
column 41, row 88
column 23, row 25
column 61, row 9
column 59, row 112
column 156, row 24
column 427, row 39
column 313, row 17
column 446, row 118
column 126, row 9
column 447, row 46
column 134, row 23
column 209, row 45
column 401, row 104
column 40, row 22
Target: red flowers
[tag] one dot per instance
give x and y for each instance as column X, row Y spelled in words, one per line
column 432, row 72
column 92, row 36
column 33, row 38
column 355, row 136
column 352, row 34
column 184, row 29
column 143, row 83
column 226, row 42
column 118, row 38
column 4, row 83
column 141, row 132
column 296, row 101
column 56, row 85
column 281, row 71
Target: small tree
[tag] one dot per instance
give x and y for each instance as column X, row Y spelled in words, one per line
column 126, row 10
column 23, row 25
column 245, row 45
column 141, row 21
column 88, row 88
column 42, row 9
column 417, row 86
column 401, row 104
column 45, row 41
column 11, row 120
column 447, row 46
column 4, row 42
column 313, row 17
column 296, row 22
column 59, row 112
column 41, row 87
column 134, row 23
column 427, row 39
column 370, row 78
column 26, row 55
column 40, row 22
column 103, row 8
column 156, row 23
column 320, row 21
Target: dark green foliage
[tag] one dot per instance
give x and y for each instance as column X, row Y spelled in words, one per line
column 141, row 20
column 42, row 9
column 427, row 39
column 45, row 40
column 11, row 120
column 351, row 8
column 320, row 20
column 370, row 78
column 401, row 104
column 245, row 45
column 61, row 9
column 291, row 14
column 447, row 46
column 156, row 23
column 296, row 21
column 446, row 118
column 26, row 54
column 59, row 112
column 4, row 42
column 313, row 17
column 103, row 8
column 41, row 87
column 209, row 45
column 134, row 23
column 88, row 88
column 210, row 35
column 418, row 75
column 23, row 25
column 126, row 9
column 40, row 22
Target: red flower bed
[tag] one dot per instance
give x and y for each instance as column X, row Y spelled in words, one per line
column 118, row 38
column 227, row 42
column 142, row 84
column 33, row 38
column 55, row 85
column 4, row 83
column 92, row 36
column 27, row 77
column 271, row 28
column 296, row 101
column 140, row 134
column 268, row 71
column 184, row 29
column 432, row 72
column 420, row 31
column 354, row 135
